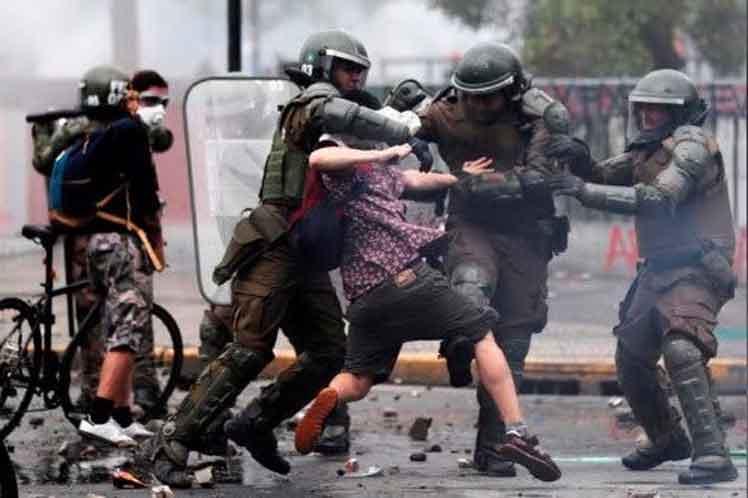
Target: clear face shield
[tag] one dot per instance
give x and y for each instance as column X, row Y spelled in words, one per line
column 650, row 117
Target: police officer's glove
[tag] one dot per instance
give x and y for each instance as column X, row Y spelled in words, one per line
column 422, row 152
column 572, row 152
column 567, row 184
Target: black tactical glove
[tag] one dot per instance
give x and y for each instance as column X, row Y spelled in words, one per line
column 422, row 152
column 566, row 184
column 572, row 152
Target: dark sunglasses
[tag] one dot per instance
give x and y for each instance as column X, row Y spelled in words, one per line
column 153, row 100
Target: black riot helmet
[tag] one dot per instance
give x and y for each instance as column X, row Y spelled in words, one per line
column 321, row 49
column 676, row 93
column 488, row 68
column 103, row 90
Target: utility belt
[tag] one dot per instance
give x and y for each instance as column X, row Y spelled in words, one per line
column 674, row 259
column 710, row 257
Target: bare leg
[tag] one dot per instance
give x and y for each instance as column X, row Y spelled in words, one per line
column 343, row 388
column 496, row 377
column 117, row 365
column 351, row 387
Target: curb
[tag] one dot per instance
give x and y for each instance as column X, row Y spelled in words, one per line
column 549, row 376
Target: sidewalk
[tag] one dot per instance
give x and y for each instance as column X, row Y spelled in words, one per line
column 574, row 354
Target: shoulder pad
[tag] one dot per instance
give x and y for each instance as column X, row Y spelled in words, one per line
column 318, row 90
column 690, row 149
column 534, row 102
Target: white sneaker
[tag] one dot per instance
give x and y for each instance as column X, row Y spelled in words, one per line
column 109, row 431
column 135, row 430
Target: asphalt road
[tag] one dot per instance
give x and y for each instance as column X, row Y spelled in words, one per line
column 584, row 434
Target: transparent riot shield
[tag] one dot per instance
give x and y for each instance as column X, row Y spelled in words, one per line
column 229, row 125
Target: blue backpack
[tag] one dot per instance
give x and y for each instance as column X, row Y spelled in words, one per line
column 75, row 192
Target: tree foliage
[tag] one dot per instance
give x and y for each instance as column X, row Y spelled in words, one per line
column 605, row 38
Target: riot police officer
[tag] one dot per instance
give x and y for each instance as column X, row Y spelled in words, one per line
column 672, row 179
column 501, row 220
column 270, row 287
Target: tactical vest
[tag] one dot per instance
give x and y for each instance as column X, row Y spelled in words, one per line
column 460, row 140
column 704, row 217
column 293, row 141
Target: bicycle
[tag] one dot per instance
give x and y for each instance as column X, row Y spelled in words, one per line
column 28, row 364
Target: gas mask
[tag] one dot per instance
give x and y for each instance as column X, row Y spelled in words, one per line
column 154, row 116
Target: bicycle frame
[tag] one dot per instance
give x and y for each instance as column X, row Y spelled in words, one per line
column 45, row 318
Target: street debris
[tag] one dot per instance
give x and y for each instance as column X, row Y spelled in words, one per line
column 351, row 465
column 418, row 456
column 642, row 494
column 204, row 477
column 464, row 463
column 389, row 413
column 615, row 402
column 434, row 448
column 419, row 431
column 162, row 491
column 124, row 479
column 372, row 471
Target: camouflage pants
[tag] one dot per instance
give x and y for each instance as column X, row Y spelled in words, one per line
column 93, row 350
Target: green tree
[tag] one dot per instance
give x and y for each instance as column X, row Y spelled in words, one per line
column 603, row 38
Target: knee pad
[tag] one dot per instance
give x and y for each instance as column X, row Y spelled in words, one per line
column 473, row 282
column 680, row 352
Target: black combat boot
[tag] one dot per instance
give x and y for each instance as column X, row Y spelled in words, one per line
column 711, row 461
column 490, row 435
column 676, row 446
column 459, row 352
column 335, row 438
column 254, row 431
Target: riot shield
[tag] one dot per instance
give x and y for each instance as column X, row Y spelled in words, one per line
column 229, row 125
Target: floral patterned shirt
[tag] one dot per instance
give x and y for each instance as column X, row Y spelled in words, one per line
column 379, row 242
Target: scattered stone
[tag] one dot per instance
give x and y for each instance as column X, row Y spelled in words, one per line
column 389, row 413
column 643, row 494
column 396, row 397
column 393, row 470
column 415, row 393
column 418, row 457
column 464, row 463
column 398, row 380
column 434, row 448
column 467, row 451
column 340, row 472
column 419, row 431
column 36, row 421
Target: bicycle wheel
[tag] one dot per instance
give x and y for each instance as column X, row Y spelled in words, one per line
column 20, row 361
column 8, row 485
column 166, row 363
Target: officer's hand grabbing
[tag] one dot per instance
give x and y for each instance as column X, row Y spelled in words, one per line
column 423, row 153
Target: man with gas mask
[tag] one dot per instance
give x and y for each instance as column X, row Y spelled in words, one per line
column 271, row 288
column 671, row 178
column 153, row 98
column 501, row 218
column 50, row 138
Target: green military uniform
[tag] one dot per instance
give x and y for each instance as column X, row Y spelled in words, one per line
column 271, row 289
column 672, row 179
